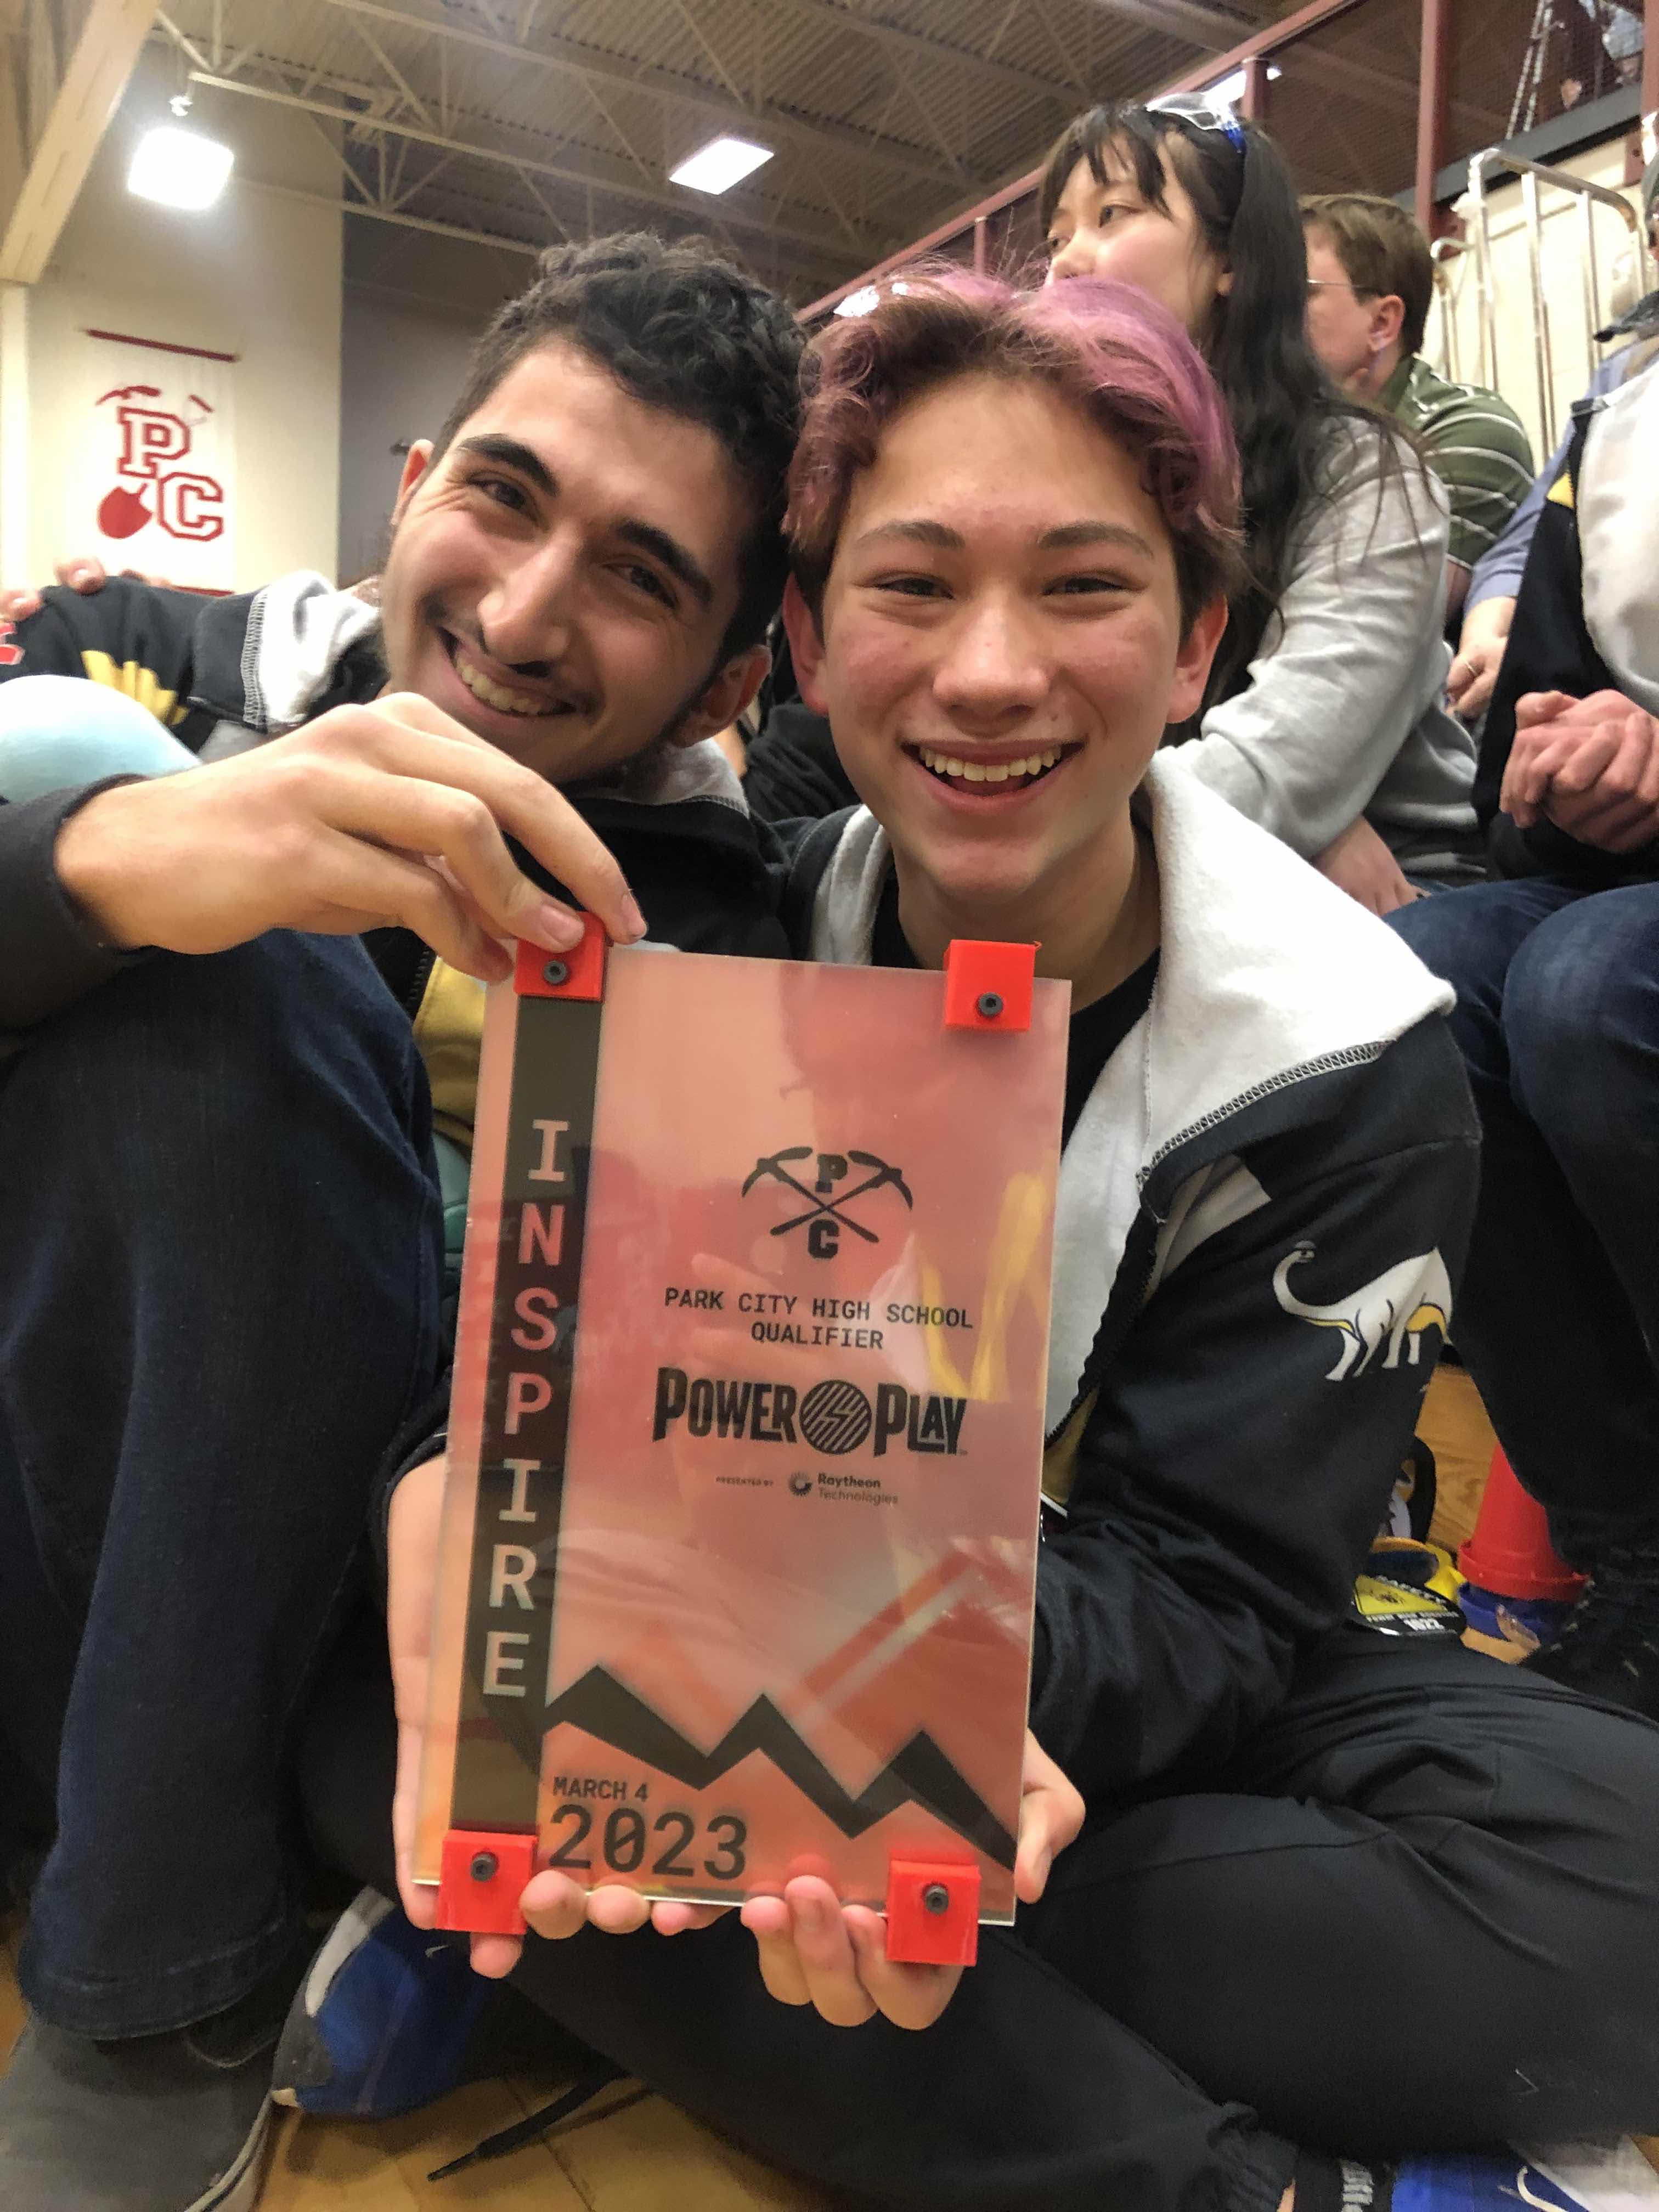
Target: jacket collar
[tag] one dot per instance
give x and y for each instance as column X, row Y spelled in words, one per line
column 273, row 658
column 1268, row 976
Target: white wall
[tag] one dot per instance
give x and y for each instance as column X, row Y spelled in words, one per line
column 258, row 275
column 1572, row 357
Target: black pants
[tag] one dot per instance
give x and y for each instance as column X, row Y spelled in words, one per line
column 1420, row 1911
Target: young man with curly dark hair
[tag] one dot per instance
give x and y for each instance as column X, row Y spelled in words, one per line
column 220, row 1219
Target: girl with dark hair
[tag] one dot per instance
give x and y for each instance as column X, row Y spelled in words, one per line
column 1323, row 721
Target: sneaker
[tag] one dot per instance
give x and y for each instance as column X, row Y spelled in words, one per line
column 1588, row 2177
column 389, row 2017
column 1608, row 1645
column 160, row 2124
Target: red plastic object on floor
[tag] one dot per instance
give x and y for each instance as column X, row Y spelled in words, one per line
column 1509, row 1552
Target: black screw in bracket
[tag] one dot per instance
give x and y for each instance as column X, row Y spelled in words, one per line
column 483, row 1866
column 555, row 972
column 988, row 1005
column 936, row 1897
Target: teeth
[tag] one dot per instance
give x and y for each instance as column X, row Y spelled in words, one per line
column 498, row 694
column 997, row 772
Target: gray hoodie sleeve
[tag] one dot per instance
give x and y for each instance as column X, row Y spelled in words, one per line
column 1355, row 659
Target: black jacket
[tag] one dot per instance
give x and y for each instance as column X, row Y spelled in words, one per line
column 1263, row 1213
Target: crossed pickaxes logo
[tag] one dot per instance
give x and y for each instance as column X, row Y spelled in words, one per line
column 826, row 1215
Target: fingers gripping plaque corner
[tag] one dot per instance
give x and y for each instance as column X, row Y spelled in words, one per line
column 932, row 1912
column 988, row 986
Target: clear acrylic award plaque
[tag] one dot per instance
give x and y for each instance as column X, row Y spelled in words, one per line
column 740, row 1529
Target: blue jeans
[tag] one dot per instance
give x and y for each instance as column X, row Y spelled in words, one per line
column 1557, row 1017
column 219, row 1239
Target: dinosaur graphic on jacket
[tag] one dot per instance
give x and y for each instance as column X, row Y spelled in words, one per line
column 1399, row 1304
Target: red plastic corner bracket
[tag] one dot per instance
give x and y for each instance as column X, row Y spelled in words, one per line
column 578, row 974
column 988, row 986
column 481, row 1879
column 933, row 1911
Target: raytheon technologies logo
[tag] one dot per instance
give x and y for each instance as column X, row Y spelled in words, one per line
column 827, row 1204
column 832, row 1419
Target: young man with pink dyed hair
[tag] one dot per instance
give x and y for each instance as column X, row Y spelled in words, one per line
column 1301, row 1900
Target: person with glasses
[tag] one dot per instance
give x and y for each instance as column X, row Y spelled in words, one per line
column 1323, row 719
column 1370, row 283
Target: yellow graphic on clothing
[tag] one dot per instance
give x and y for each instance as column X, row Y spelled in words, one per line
column 137, row 682
column 1561, row 492
column 1011, row 1278
column 1396, row 1308
column 449, row 1031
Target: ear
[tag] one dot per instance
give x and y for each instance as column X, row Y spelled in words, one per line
column 1192, row 668
column 726, row 698
column 1388, row 317
column 805, row 647
column 416, row 463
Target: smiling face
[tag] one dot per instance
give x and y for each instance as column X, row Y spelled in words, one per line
column 1000, row 648
column 560, row 578
column 1109, row 230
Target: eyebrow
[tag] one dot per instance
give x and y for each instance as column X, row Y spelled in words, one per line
column 1060, row 540
column 918, row 532
column 672, row 555
column 1071, row 534
column 513, row 453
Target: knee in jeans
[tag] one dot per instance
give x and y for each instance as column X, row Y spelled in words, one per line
column 1581, row 1017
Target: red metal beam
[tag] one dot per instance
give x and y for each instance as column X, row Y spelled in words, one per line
column 1433, row 85
column 1209, row 71
column 1266, row 41
column 1254, row 105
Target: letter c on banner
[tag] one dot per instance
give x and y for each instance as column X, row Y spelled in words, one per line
column 190, row 506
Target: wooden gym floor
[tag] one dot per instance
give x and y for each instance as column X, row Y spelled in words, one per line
column 651, row 2157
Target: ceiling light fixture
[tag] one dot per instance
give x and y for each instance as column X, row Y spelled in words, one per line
column 723, row 162
column 180, row 168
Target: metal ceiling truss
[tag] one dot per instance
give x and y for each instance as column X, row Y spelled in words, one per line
column 383, row 111
column 935, row 112
column 564, row 57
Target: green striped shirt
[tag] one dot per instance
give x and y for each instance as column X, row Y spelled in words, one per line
column 1473, row 442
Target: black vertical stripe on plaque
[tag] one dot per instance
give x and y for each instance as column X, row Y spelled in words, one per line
column 499, row 1744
